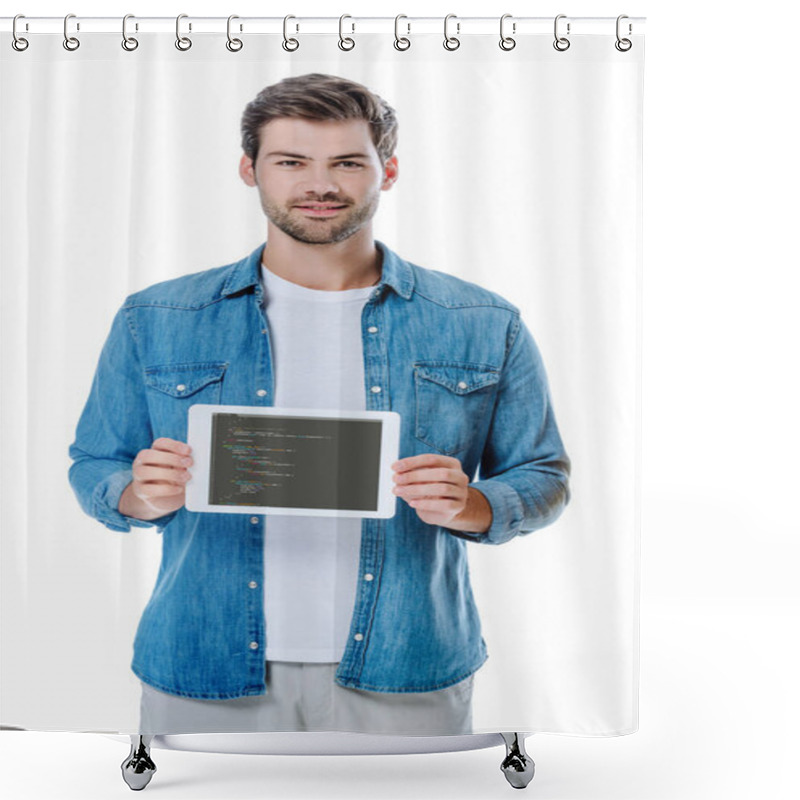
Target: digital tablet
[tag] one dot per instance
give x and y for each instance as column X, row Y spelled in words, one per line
column 271, row 460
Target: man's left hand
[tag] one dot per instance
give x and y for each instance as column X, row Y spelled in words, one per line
column 437, row 488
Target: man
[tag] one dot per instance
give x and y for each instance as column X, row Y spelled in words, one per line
column 311, row 623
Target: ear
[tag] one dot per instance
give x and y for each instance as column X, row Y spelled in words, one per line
column 246, row 172
column 391, row 170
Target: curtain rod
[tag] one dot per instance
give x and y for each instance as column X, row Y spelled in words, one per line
column 349, row 24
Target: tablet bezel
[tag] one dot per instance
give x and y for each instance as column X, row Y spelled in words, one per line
column 199, row 439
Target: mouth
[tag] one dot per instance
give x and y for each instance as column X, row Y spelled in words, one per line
column 321, row 209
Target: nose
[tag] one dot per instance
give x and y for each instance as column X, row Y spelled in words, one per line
column 319, row 180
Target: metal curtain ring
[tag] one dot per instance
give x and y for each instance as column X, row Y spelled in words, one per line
column 623, row 45
column 128, row 42
column 506, row 42
column 289, row 44
column 401, row 43
column 451, row 42
column 70, row 42
column 561, row 43
column 182, row 42
column 18, row 43
column 234, row 45
column 346, row 43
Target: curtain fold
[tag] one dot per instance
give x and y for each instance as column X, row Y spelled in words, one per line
column 519, row 171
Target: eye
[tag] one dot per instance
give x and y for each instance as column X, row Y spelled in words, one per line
column 287, row 161
column 350, row 163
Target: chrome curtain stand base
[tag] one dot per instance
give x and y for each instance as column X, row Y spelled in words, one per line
column 138, row 768
column 517, row 766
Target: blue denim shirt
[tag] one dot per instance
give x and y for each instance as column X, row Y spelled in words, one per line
column 458, row 364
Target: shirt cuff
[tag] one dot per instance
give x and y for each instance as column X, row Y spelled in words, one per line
column 106, row 504
column 507, row 512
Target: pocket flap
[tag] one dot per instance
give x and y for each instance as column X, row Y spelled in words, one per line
column 184, row 380
column 458, row 378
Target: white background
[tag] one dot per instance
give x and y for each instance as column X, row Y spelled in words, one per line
column 720, row 599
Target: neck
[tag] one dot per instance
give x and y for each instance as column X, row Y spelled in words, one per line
column 351, row 264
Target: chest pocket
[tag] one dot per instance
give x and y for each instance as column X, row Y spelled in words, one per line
column 454, row 403
column 173, row 388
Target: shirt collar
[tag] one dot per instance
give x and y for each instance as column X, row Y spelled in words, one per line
column 395, row 272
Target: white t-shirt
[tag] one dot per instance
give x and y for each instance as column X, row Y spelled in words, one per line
column 311, row 563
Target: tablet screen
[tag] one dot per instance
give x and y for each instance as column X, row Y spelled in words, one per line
column 294, row 462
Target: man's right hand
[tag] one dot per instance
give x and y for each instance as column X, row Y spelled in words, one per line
column 159, row 480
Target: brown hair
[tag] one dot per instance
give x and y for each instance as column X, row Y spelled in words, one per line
column 321, row 97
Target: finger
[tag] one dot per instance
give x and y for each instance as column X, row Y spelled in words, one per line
column 431, row 475
column 146, row 474
column 162, row 458
column 148, row 491
column 434, row 504
column 424, row 460
column 430, row 490
column 416, row 476
column 171, row 445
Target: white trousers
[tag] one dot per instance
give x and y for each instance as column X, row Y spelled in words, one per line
column 304, row 697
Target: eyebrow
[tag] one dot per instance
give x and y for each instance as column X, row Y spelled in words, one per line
column 308, row 158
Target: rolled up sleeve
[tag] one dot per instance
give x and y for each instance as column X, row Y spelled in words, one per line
column 113, row 427
column 524, row 468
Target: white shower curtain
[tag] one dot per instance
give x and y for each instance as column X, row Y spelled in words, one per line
column 519, row 171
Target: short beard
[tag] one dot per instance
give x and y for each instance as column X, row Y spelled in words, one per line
column 295, row 228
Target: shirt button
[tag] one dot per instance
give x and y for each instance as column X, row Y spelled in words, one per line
column 254, row 520
column 359, row 636
column 462, row 385
column 261, row 392
column 181, row 387
column 253, row 585
column 375, row 389
column 369, row 576
column 254, row 645
column 372, row 329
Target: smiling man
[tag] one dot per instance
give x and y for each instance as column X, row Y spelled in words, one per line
column 301, row 187
column 307, row 622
